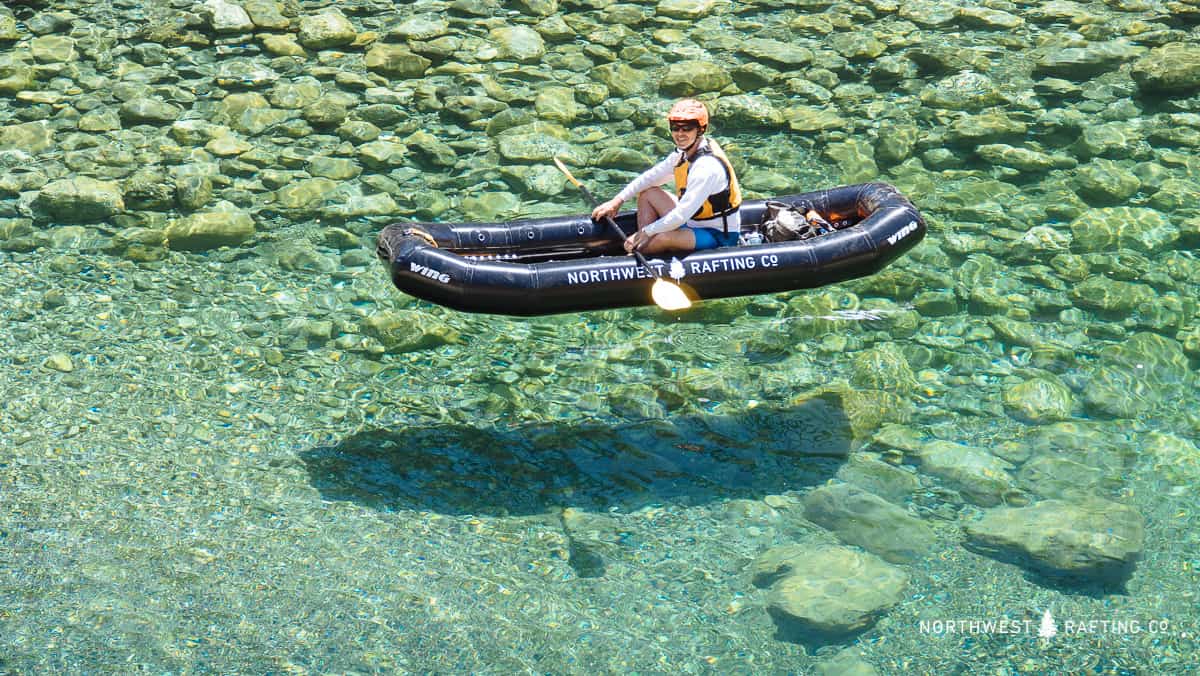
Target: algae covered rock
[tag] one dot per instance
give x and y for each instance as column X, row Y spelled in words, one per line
column 227, row 226
column 1090, row 538
column 408, row 330
column 1135, row 376
column 1041, row 399
column 1134, row 228
column 883, row 368
column 689, row 78
column 1171, row 69
column 827, row 589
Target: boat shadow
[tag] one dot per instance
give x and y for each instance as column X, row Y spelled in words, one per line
column 456, row 469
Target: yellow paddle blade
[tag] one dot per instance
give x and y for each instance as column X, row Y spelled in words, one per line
column 669, row 296
column 563, row 168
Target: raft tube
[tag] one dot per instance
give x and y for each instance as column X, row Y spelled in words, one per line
column 574, row 264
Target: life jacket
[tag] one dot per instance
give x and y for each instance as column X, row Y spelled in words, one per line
column 720, row 203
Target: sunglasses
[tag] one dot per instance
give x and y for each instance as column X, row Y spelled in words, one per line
column 684, row 126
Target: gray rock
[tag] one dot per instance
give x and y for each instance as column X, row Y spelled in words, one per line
column 1170, row 69
column 691, row 78
column 396, row 61
column 408, row 330
column 149, row 111
column 826, row 589
column 328, row 29
column 1041, row 399
column 226, row 17
column 1134, row 228
column 979, row 475
column 861, row 518
column 227, row 226
column 518, row 43
column 78, row 200
column 1093, row 539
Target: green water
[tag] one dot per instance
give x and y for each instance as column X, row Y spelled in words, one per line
column 216, row 456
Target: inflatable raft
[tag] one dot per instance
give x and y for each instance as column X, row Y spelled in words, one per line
column 572, row 263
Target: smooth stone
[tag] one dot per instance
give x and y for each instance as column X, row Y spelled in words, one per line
column 266, row 14
column 408, row 330
column 1169, row 69
column 981, row 476
column 226, row 17
column 1088, row 538
column 827, row 589
column 328, row 29
column 228, row 226
column 396, row 61
column 518, row 43
column 30, row 137
column 685, row 9
column 1038, row 400
column 869, row 472
column 1110, row 228
column 691, row 78
column 304, row 195
column 149, row 111
column 52, row 49
column 81, row 199
column 283, row 45
column 861, row 518
column 59, row 362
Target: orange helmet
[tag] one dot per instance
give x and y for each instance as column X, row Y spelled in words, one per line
column 689, row 109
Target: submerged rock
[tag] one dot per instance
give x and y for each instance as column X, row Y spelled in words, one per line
column 1170, row 69
column 79, row 200
column 979, row 475
column 1123, row 227
column 861, row 518
column 1092, row 538
column 826, row 589
column 1041, row 399
column 227, row 226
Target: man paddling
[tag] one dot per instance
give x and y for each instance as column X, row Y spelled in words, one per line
column 704, row 212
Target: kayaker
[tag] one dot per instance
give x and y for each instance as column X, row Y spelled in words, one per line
column 704, row 212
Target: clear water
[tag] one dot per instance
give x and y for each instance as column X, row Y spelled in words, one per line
column 208, row 463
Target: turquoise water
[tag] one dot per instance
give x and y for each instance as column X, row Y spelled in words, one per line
column 215, row 456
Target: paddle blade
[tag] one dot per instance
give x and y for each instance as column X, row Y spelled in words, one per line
column 669, row 296
column 563, row 168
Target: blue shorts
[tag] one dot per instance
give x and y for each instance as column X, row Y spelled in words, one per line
column 711, row 238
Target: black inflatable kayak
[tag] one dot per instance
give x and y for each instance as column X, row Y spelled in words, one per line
column 572, row 264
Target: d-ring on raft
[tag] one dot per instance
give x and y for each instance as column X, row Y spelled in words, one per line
column 573, row 264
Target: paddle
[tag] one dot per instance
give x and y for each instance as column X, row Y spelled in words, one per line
column 666, row 295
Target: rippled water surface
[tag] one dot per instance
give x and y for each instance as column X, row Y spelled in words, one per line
column 228, row 444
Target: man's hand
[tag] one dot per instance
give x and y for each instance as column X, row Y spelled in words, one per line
column 608, row 209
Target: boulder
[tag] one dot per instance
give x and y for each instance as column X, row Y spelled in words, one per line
column 827, row 590
column 1091, row 538
column 78, row 200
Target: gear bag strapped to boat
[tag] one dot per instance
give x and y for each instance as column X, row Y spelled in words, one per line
column 783, row 222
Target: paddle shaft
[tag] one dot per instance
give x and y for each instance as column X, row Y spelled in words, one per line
column 587, row 194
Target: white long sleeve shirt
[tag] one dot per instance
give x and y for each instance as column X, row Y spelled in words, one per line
column 705, row 177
